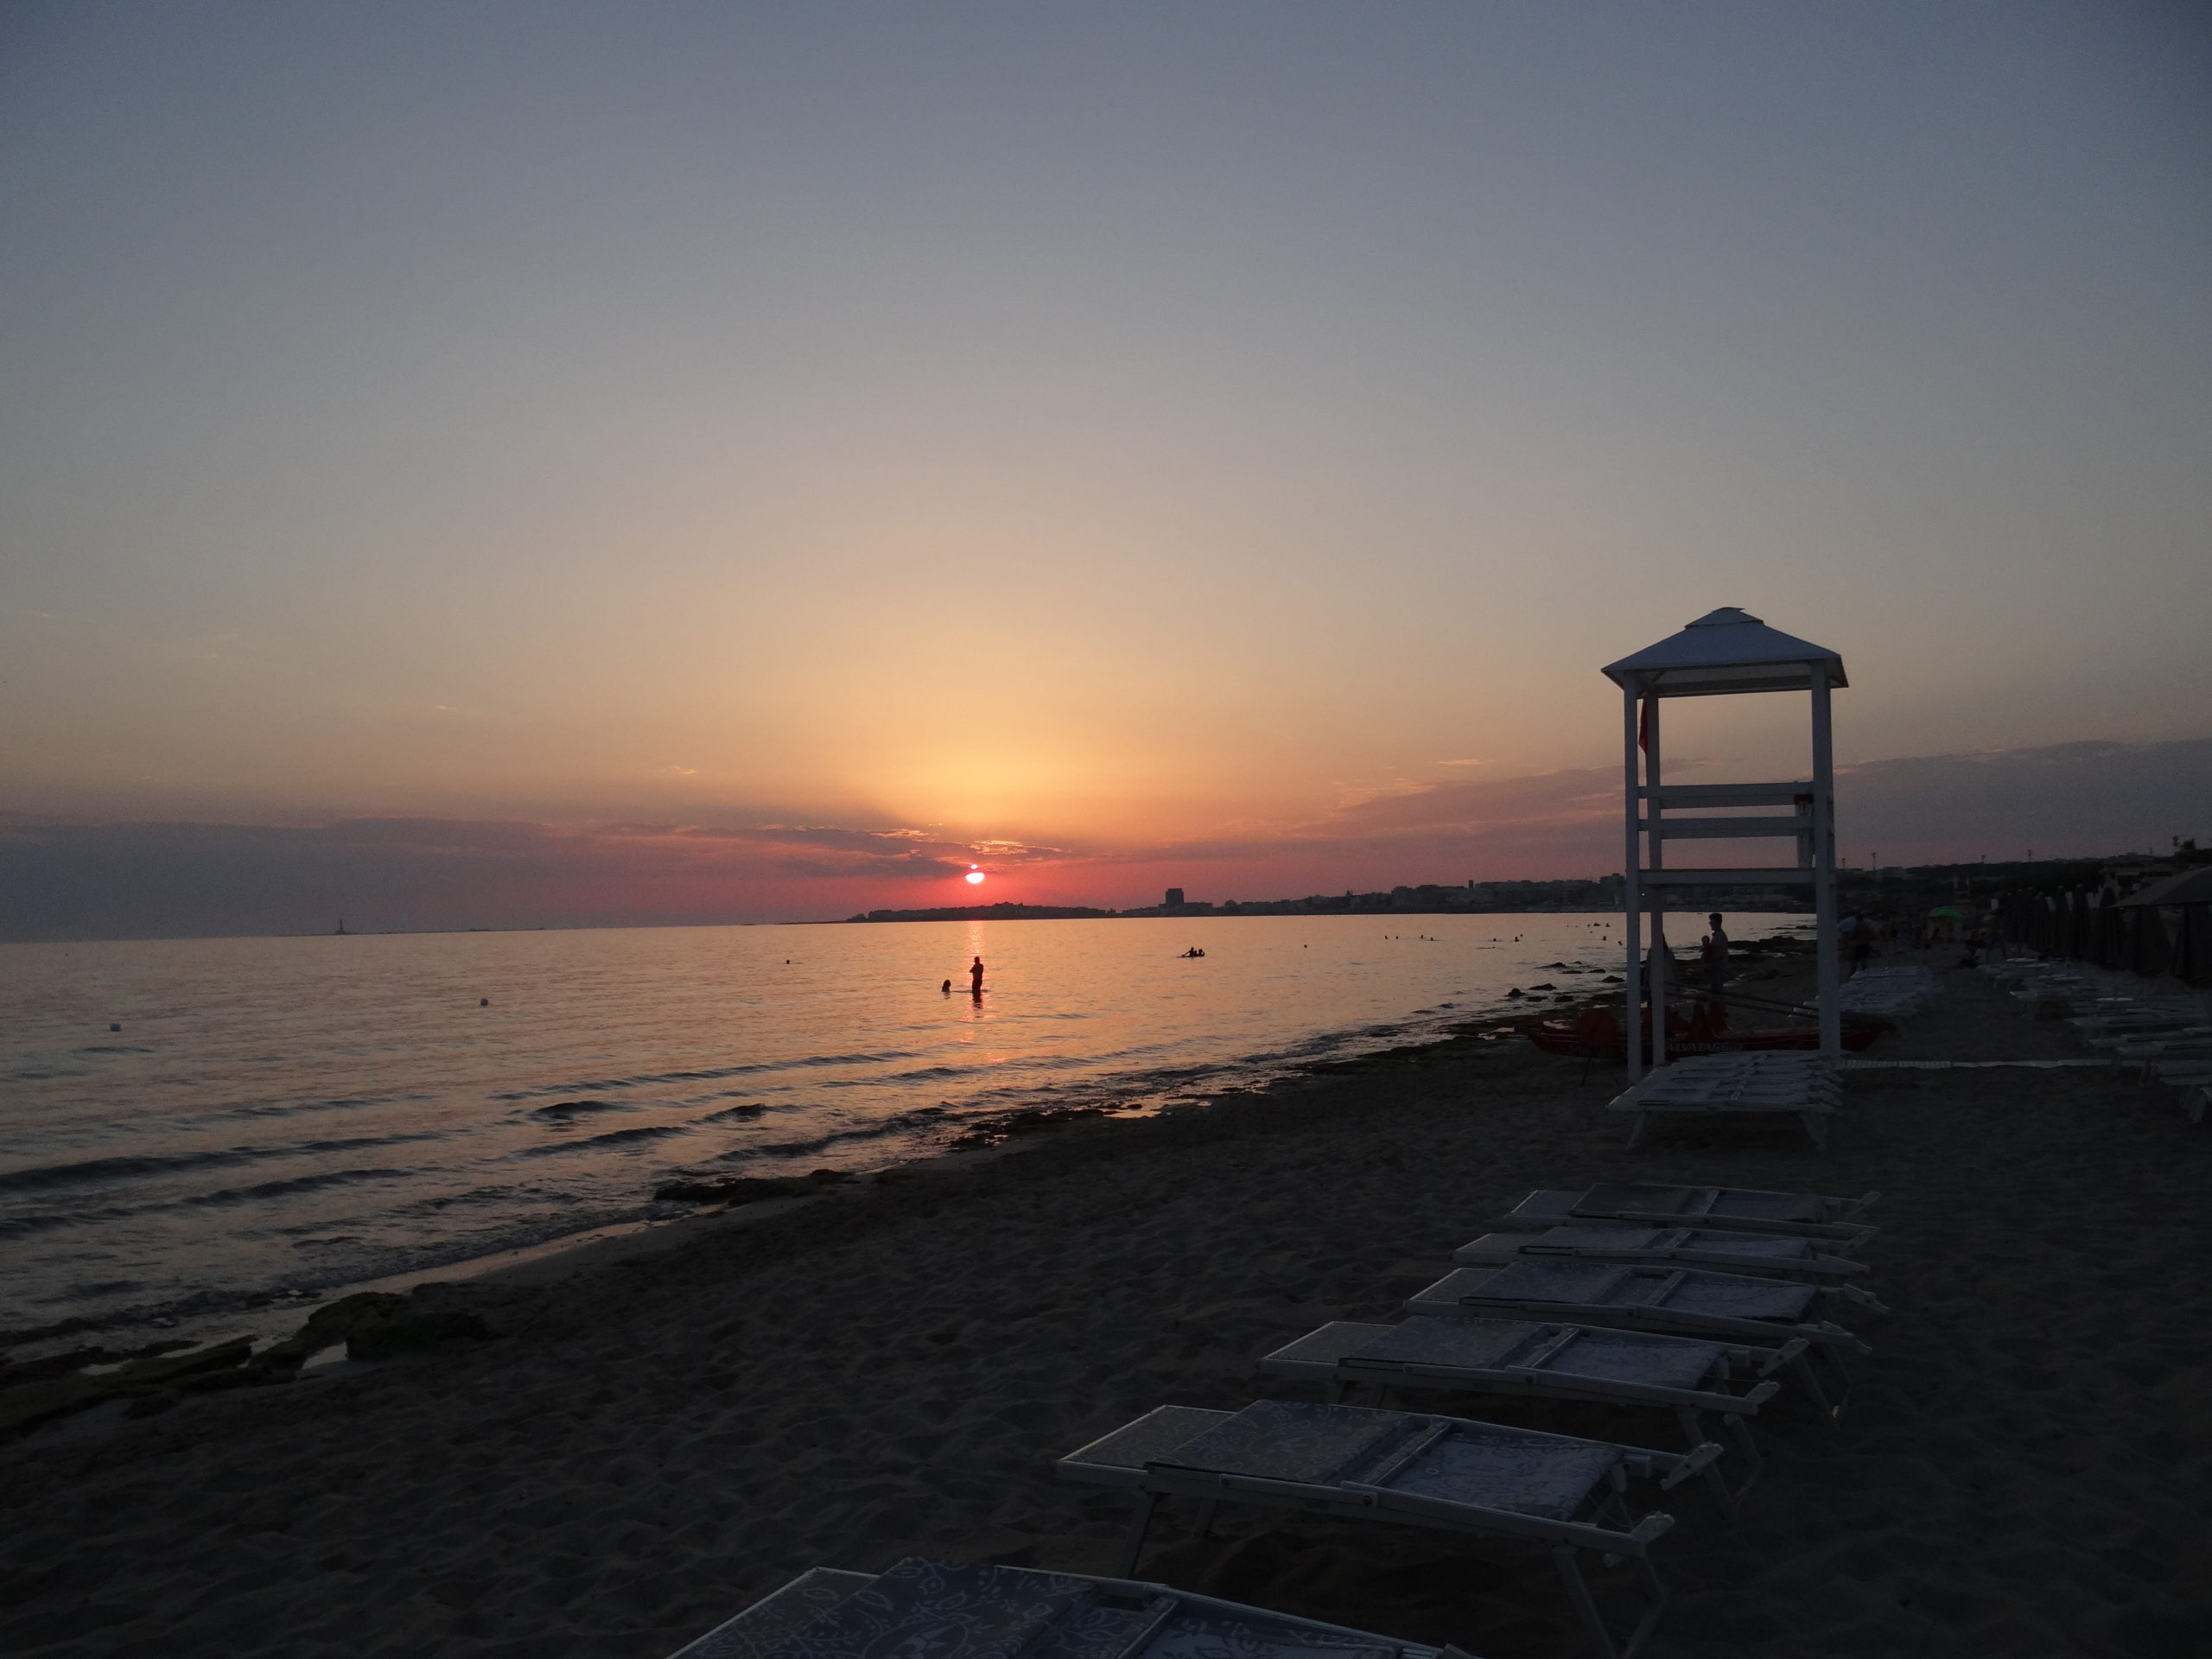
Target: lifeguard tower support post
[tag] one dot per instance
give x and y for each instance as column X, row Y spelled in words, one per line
column 1720, row 654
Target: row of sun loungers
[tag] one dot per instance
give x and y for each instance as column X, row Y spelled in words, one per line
column 2161, row 1035
column 1896, row 994
column 1592, row 1309
column 2098, row 1001
column 1584, row 1301
column 1795, row 1083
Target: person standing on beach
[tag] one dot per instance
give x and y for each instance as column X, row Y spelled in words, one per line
column 1716, row 956
column 975, row 977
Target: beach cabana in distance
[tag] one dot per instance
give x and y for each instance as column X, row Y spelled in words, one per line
column 1724, row 653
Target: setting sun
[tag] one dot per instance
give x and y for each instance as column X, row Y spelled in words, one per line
column 974, row 878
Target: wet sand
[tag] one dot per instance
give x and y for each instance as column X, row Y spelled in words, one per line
column 651, row 1441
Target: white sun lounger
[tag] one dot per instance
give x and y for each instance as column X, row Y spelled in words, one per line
column 1833, row 1221
column 1774, row 1255
column 1669, row 1302
column 929, row 1610
column 1536, row 1360
column 1802, row 1086
column 1564, row 1495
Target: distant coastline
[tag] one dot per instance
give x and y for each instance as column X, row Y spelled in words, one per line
column 1898, row 887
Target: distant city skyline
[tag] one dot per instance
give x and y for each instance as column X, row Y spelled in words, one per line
column 557, row 463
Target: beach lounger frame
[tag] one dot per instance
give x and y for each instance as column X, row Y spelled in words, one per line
column 1464, row 1291
column 1756, row 1085
column 1332, row 1355
column 1723, row 1250
column 1738, row 1209
column 774, row 1624
column 1140, row 1456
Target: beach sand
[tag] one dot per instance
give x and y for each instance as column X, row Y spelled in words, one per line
column 649, row 1443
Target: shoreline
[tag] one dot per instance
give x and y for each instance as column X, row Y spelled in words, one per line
column 263, row 1313
column 645, row 1445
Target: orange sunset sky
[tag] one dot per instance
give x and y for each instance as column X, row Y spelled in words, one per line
column 502, row 465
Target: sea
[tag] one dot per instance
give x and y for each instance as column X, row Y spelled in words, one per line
column 189, row 1127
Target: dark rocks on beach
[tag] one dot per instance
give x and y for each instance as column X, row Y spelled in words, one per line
column 327, row 1326
column 750, row 1189
column 379, row 1325
column 1031, row 1121
column 59, row 1393
column 14, row 1373
column 414, row 1330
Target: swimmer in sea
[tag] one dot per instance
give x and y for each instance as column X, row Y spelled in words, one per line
column 975, row 977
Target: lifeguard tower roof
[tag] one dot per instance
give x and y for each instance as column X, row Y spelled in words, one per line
column 1724, row 651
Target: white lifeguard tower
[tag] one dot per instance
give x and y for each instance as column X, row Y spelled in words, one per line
column 1724, row 653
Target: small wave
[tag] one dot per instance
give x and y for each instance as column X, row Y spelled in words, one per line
column 298, row 1183
column 69, row 1293
column 112, row 1048
column 591, row 1085
column 562, row 1110
column 48, row 1221
column 714, row 1095
column 611, row 1138
column 362, row 1142
column 101, row 1171
column 108, row 1172
column 294, row 1108
column 734, row 1114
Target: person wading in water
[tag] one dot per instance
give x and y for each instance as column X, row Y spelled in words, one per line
column 975, row 977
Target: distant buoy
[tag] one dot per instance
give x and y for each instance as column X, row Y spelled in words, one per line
column 115, row 1027
column 483, row 1001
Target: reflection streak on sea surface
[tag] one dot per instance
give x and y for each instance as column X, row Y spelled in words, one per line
column 311, row 1111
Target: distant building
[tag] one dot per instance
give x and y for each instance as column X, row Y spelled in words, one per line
column 1175, row 896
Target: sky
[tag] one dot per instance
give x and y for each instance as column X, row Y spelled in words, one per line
column 503, row 464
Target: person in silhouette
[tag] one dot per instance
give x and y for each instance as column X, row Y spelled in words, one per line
column 975, row 977
column 946, row 987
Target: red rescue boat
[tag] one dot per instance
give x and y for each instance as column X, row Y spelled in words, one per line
column 1597, row 1035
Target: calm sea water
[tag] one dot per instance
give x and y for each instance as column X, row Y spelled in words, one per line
column 282, row 1115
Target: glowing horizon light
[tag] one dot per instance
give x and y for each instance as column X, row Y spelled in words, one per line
column 974, row 877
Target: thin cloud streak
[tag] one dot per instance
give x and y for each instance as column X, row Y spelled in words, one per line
column 62, row 879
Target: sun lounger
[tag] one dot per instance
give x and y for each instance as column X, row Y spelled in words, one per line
column 1668, row 1301
column 1833, row 1221
column 1564, row 1495
column 928, row 1610
column 1773, row 1256
column 1531, row 1359
column 1801, row 1085
column 1893, row 994
column 2150, row 1054
column 2184, row 1072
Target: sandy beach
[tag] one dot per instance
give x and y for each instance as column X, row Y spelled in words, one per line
column 647, row 1443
